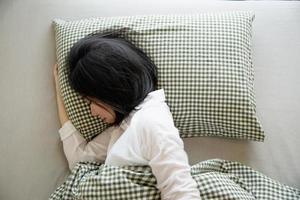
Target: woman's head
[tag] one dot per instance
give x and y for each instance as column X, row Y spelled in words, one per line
column 111, row 72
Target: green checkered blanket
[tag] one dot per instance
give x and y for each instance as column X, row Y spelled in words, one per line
column 216, row 179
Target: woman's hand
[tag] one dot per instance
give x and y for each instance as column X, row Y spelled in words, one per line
column 55, row 76
column 63, row 117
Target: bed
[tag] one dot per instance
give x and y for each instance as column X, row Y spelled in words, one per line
column 33, row 163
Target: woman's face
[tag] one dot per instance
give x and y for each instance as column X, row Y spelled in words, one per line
column 101, row 110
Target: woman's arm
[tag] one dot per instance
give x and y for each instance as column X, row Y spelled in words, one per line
column 164, row 149
column 76, row 148
column 63, row 116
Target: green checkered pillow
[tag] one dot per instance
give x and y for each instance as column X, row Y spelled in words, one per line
column 204, row 65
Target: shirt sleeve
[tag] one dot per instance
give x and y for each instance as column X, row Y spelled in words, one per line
column 76, row 148
column 163, row 147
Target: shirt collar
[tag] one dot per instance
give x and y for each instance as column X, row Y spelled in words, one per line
column 154, row 96
column 157, row 95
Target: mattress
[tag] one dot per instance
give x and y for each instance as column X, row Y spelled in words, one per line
column 32, row 162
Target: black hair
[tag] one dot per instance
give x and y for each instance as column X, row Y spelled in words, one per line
column 110, row 68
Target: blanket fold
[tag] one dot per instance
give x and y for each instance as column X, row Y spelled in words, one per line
column 216, row 179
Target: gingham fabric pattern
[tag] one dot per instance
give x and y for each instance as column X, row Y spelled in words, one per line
column 204, row 65
column 216, row 179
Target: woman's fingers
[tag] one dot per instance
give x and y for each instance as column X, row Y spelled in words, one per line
column 55, row 74
column 55, row 69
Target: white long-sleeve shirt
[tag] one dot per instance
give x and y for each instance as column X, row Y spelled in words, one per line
column 146, row 137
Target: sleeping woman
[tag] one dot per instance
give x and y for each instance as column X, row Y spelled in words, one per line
column 119, row 83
